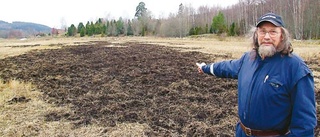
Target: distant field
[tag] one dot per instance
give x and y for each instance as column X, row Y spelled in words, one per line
column 126, row 86
column 208, row 44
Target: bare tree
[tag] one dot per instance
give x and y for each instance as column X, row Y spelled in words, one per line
column 63, row 23
column 297, row 14
column 181, row 17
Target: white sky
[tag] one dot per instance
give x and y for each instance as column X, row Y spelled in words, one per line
column 55, row 13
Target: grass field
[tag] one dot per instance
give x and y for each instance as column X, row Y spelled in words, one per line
column 28, row 116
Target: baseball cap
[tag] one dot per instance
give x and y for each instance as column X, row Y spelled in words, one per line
column 272, row 18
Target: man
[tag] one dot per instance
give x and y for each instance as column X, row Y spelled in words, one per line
column 275, row 87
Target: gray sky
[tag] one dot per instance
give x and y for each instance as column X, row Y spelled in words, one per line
column 55, row 13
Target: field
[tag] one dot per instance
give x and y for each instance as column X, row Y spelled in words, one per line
column 128, row 86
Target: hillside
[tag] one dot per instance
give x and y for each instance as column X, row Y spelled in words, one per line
column 19, row 29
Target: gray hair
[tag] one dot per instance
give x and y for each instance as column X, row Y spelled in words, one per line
column 285, row 47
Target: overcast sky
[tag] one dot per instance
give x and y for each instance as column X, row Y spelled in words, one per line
column 55, row 13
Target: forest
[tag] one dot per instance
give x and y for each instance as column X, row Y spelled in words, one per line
column 301, row 18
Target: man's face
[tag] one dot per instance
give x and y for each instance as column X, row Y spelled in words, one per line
column 269, row 38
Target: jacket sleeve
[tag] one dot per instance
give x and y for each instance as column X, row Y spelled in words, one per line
column 224, row 69
column 304, row 118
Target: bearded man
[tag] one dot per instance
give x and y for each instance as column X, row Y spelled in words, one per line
column 276, row 94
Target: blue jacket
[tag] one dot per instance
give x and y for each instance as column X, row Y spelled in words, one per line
column 273, row 94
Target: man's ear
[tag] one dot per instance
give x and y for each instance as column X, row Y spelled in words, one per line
column 282, row 33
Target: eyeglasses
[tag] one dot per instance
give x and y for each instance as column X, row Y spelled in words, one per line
column 272, row 33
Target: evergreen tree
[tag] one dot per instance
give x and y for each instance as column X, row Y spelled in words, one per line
column 143, row 16
column 141, row 10
column 232, row 31
column 72, row 30
column 192, row 31
column 104, row 28
column 98, row 27
column 80, row 26
column 218, row 24
column 100, row 20
column 88, row 29
column 82, row 32
column 120, row 26
column 129, row 29
column 92, row 28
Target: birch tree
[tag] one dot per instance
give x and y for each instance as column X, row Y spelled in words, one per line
column 297, row 7
column 181, row 18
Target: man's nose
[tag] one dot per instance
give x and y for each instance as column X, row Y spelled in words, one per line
column 267, row 36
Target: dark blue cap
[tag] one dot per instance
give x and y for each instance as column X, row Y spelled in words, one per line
column 272, row 18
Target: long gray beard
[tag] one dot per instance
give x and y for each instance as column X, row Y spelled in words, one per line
column 266, row 51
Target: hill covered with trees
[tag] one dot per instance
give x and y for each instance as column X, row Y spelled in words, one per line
column 19, row 29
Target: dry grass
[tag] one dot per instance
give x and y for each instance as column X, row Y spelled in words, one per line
column 27, row 118
column 13, row 47
column 22, row 117
column 128, row 130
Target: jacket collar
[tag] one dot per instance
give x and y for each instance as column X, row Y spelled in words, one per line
column 276, row 56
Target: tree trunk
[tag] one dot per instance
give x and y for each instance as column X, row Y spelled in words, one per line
column 297, row 18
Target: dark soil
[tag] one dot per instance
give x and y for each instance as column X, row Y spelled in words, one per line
column 131, row 83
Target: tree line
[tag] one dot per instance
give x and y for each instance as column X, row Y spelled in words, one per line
column 301, row 18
